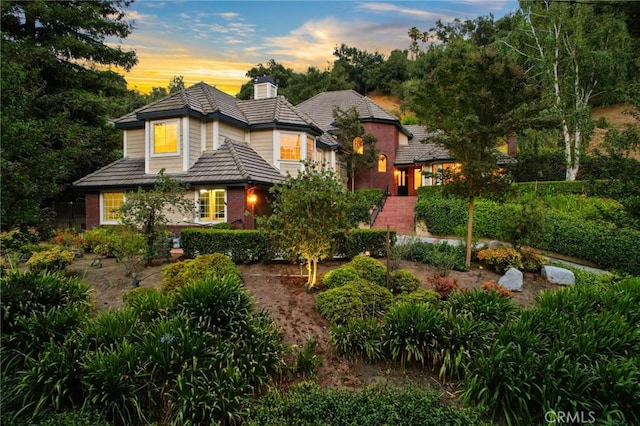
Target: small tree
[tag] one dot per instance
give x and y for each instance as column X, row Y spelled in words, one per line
column 308, row 211
column 360, row 147
column 147, row 210
column 474, row 95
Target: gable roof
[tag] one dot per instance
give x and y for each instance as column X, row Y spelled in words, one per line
column 321, row 107
column 419, row 149
column 233, row 163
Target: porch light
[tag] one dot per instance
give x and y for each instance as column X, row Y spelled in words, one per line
column 252, row 198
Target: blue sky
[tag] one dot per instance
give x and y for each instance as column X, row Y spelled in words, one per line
column 219, row 41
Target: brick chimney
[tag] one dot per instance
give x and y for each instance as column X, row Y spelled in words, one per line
column 512, row 145
column 264, row 87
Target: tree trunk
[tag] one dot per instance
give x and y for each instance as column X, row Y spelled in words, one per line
column 467, row 261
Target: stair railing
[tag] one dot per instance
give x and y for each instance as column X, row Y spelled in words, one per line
column 379, row 206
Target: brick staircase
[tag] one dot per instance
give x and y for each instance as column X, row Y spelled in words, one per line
column 398, row 214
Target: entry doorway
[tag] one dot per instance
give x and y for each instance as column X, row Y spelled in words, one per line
column 402, row 181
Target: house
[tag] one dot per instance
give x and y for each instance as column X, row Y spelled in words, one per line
column 232, row 151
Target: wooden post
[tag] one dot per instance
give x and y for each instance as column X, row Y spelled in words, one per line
column 388, row 257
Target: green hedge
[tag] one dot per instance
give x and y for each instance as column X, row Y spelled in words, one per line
column 359, row 241
column 242, row 246
column 553, row 188
column 594, row 241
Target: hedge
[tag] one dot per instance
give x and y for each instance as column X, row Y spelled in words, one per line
column 246, row 246
column 242, row 246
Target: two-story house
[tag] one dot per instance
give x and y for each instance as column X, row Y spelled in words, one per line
column 232, row 151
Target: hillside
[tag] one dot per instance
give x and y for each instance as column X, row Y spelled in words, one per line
column 616, row 116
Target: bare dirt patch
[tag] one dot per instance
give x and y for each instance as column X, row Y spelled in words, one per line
column 278, row 288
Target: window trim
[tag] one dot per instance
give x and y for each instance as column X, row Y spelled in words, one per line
column 297, row 135
column 103, row 219
column 208, row 220
column 152, row 144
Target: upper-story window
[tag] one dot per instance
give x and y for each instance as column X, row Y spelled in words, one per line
column 310, row 146
column 358, row 145
column 165, row 137
column 289, row 146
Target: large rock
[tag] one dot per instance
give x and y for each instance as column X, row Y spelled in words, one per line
column 512, row 280
column 557, row 275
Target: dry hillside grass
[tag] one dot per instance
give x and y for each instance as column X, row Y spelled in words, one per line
column 617, row 116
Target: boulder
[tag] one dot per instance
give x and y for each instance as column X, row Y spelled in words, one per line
column 557, row 275
column 512, row 280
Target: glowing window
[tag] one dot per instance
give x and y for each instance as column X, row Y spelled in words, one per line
column 165, row 137
column 289, row 147
column 211, row 203
column 382, row 163
column 417, row 178
column 358, row 145
column 310, row 146
column 111, row 203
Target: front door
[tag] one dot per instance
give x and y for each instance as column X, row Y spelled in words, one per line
column 403, row 182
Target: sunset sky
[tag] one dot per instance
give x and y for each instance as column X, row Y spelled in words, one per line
column 219, row 41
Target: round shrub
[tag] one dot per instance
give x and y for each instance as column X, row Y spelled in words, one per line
column 404, row 281
column 370, row 269
column 356, row 300
column 207, row 265
column 339, row 277
column 55, row 259
column 419, row 296
column 500, row 259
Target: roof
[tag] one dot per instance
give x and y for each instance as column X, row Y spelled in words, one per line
column 321, row 107
column 276, row 110
column 234, row 162
column 421, row 150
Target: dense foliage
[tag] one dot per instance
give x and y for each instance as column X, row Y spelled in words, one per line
column 58, row 94
column 196, row 355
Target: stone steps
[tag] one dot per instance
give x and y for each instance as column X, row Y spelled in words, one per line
column 398, row 214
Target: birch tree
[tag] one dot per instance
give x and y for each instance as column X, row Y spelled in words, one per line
column 572, row 52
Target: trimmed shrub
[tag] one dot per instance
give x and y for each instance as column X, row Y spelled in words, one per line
column 242, row 246
column 180, row 273
column 441, row 216
column 404, row 281
column 359, row 241
column 355, row 300
column 55, row 259
column 309, row 404
column 359, row 338
column 414, row 333
column 339, row 277
column 370, row 269
column 419, row 296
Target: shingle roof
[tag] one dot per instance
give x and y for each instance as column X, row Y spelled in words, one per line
column 417, row 151
column 321, row 106
column 233, row 162
column 273, row 110
column 199, row 98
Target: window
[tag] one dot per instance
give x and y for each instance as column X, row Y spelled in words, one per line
column 358, row 145
column 439, row 169
column 111, row 203
column 289, row 147
column 165, row 137
column 310, row 146
column 211, row 203
column 417, row 178
column 382, row 163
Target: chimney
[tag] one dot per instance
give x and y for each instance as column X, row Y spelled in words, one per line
column 264, row 87
column 512, row 145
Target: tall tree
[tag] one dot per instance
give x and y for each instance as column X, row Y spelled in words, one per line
column 57, row 97
column 308, row 211
column 360, row 147
column 473, row 95
column 574, row 54
column 362, row 67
